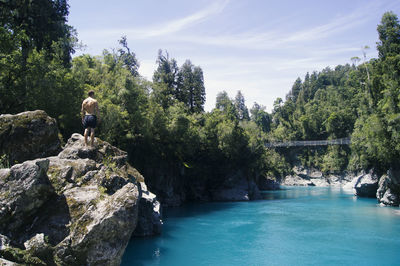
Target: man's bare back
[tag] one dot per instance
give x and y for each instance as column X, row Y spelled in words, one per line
column 90, row 114
column 90, row 106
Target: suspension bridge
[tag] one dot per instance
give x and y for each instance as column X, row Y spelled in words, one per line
column 342, row 141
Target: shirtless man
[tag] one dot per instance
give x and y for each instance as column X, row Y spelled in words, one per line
column 90, row 114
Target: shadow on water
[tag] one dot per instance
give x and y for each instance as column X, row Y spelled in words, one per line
column 287, row 193
column 148, row 250
column 142, row 251
column 197, row 209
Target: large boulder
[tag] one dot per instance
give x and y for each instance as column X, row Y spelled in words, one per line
column 388, row 192
column 23, row 190
column 300, row 177
column 312, row 177
column 101, row 227
column 28, row 135
column 296, row 180
column 150, row 218
column 367, row 184
column 78, row 208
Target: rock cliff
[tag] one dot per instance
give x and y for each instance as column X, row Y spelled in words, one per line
column 388, row 192
column 77, row 208
column 28, row 135
column 367, row 184
column 386, row 187
column 175, row 189
column 312, row 177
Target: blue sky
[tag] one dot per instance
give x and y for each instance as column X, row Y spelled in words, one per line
column 257, row 46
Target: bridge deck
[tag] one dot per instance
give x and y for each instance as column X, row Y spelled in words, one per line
column 343, row 141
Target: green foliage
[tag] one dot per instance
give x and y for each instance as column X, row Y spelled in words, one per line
column 35, row 55
column 128, row 57
column 4, row 161
column 123, row 97
column 185, row 84
column 242, row 112
column 335, row 160
column 21, row 256
column 162, row 123
column 389, row 36
column 190, row 89
column 358, row 101
column 225, row 104
column 261, row 117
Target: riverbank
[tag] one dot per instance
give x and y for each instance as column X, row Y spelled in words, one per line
column 384, row 187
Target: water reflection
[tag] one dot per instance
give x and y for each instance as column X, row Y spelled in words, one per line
column 302, row 192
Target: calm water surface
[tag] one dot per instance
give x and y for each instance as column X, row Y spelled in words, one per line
column 295, row 226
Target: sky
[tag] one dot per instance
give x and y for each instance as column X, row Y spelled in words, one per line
column 259, row 47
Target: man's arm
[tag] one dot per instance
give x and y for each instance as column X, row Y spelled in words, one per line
column 83, row 110
column 97, row 111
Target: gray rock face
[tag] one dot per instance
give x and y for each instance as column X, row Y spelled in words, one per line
column 37, row 246
column 238, row 190
column 78, row 208
column 4, row 262
column 150, row 218
column 388, row 192
column 296, row 180
column 28, row 135
column 4, row 242
column 367, row 185
column 100, row 234
column 23, row 190
column 268, row 184
column 312, row 177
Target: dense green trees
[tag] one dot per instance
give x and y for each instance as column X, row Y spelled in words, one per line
column 162, row 123
column 35, row 53
column 376, row 135
column 185, row 84
column 358, row 101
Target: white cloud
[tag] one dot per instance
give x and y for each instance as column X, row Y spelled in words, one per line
column 272, row 39
column 147, row 68
column 166, row 27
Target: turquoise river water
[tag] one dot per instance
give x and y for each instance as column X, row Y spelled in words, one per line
column 294, row 226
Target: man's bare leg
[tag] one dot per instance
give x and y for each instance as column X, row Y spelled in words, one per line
column 86, row 135
column 92, row 137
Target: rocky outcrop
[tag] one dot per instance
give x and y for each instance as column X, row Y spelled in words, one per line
column 237, row 188
column 268, row 183
column 312, row 177
column 296, row 180
column 175, row 188
column 28, row 135
column 78, row 208
column 388, row 192
column 150, row 218
column 24, row 188
column 367, row 184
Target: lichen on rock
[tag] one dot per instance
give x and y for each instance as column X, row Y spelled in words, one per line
column 388, row 192
column 367, row 184
column 77, row 208
column 28, row 135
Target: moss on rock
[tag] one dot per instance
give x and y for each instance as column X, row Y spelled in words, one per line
column 21, row 256
column 28, row 135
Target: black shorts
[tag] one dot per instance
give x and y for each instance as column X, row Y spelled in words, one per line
column 89, row 121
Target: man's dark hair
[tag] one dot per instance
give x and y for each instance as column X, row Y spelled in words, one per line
column 91, row 93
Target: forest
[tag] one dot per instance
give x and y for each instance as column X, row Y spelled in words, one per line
column 162, row 123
